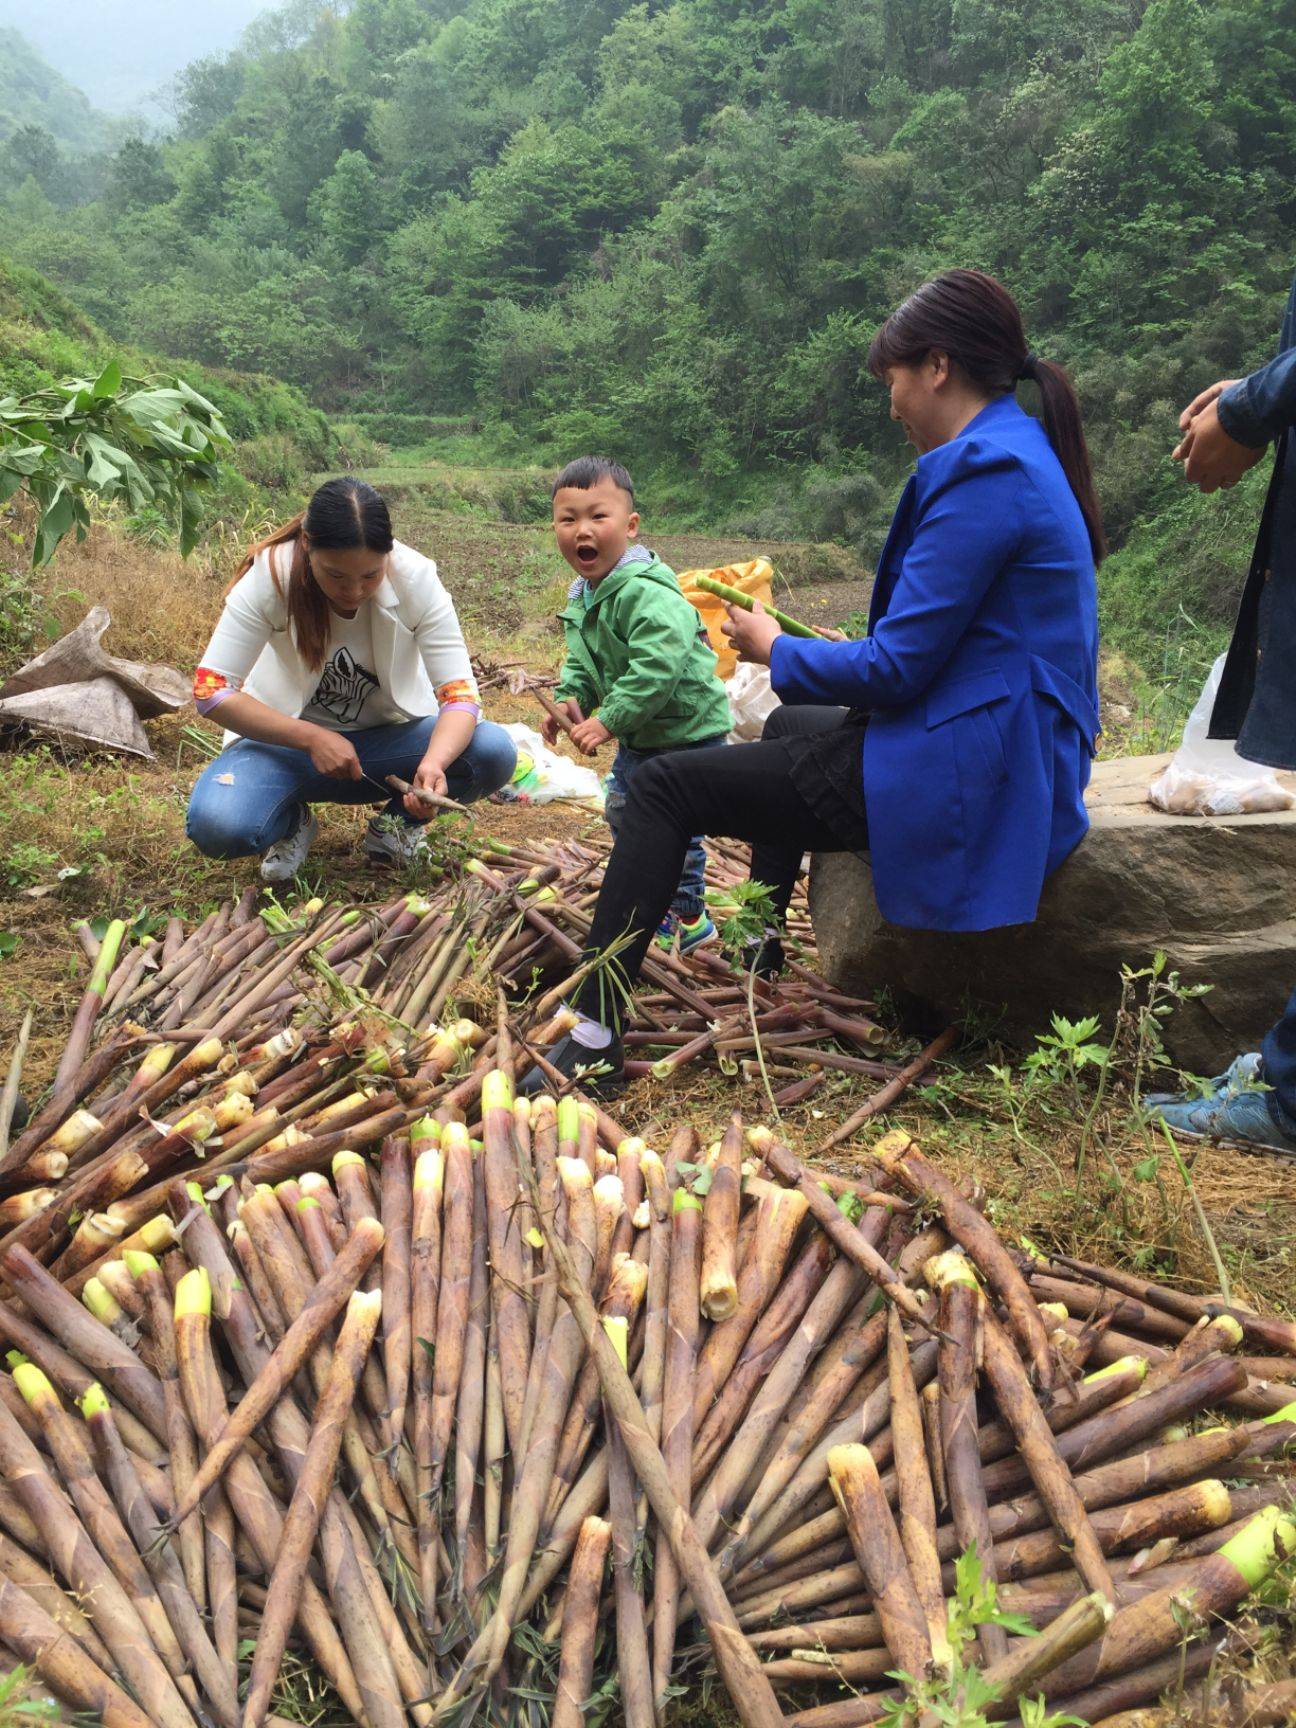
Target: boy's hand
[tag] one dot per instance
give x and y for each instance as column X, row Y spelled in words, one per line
column 549, row 727
column 752, row 633
column 589, row 735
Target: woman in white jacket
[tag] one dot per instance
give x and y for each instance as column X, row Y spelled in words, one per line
column 337, row 660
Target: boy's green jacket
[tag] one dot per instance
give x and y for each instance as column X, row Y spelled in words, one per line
column 638, row 653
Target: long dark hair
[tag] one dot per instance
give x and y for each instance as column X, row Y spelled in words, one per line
column 975, row 320
column 342, row 514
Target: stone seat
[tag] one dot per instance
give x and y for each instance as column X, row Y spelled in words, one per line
column 1216, row 893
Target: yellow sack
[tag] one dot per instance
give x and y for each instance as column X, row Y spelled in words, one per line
column 754, row 578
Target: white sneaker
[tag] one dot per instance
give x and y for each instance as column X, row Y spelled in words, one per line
column 282, row 861
column 388, row 840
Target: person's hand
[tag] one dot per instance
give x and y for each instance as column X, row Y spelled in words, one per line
column 549, row 727
column 752, row 633
column 1211, row 459
column 334, row 755
column 830, row 634
column 1203, row 401
column 589, row 735
column 429, row 776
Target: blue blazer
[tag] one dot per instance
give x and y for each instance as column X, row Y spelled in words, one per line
column 979, row 673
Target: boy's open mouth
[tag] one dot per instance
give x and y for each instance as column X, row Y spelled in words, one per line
column 587, row 554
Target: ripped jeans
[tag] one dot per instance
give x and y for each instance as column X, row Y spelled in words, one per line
column 688, row 902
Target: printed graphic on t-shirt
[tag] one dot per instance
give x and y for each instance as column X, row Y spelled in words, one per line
column 344, row 688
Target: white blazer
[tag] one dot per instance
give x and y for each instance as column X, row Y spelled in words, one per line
column 418, row 644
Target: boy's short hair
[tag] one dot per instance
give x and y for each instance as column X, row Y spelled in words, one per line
column 587, row 471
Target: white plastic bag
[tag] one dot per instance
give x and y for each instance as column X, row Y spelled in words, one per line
column 542, row 774
column 751, row 702
column 1207, row 777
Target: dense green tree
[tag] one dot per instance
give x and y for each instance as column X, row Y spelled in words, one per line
column 670, row 227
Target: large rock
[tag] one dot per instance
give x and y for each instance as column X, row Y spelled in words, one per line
column 1217, row 894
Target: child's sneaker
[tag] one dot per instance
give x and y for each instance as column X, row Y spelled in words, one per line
column 685, row 934
column 696, row 933
column 282, row 861
column 388, row 840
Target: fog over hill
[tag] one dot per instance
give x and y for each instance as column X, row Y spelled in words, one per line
column 32, row 93
column 119, row 52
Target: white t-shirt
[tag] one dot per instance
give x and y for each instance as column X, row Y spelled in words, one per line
column 349, row 696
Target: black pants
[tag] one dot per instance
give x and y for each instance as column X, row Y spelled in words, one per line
column 742, row 791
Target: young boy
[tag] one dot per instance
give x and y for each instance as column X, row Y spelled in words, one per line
column 637, row 652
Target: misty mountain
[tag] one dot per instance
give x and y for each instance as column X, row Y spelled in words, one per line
column 32, row 93
column 120, row 52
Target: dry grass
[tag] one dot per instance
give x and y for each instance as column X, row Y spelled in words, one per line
column 162, row 606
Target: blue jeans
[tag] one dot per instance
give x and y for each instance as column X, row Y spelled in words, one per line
column 251, row 795
column 1278, row 1068
column 688, row 902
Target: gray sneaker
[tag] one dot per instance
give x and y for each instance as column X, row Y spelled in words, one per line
column 282, row 861
column 388, row 840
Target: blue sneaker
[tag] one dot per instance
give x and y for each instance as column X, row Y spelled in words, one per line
column 686, row 934
column 1240, row 1119
column 696, row 932
column 1241, row 1073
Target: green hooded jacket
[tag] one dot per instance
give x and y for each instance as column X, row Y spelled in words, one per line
column 638, row 654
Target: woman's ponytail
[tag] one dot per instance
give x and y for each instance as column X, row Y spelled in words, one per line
column 1065, row 431
column 975, row 320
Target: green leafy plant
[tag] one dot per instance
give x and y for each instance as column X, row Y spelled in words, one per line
column 26, row 862
column 744, row 912
column 1068, row 1049
column 16, row 1706
column 960, row 1698
column 148, row 443
column 9, row 940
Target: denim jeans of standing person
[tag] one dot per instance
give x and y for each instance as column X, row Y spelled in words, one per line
column 688, row 902
column 251, row 796
column 1278, row 1069
column 1256, row 704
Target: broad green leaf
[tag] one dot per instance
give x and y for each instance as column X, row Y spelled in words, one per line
column 22, row 458
column 109, row 381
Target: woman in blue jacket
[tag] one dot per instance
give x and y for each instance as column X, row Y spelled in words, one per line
column 954, row 741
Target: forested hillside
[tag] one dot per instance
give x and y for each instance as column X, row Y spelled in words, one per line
column 32, row 93
column 671, row 229
column 279, row 436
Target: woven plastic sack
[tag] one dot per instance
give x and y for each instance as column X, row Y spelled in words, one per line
column 755, row 578
column 82, row 695
column 1207, row 777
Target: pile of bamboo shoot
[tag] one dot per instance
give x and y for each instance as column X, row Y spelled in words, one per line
column 517, row 1410
column 318, row 1338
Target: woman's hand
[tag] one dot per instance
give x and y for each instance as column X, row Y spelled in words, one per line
column 429, row 776
column 830, row 633
column 334, row 755
column 549, row 727
column 752, row 633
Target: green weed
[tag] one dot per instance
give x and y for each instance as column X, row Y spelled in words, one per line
column 960, row 1698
